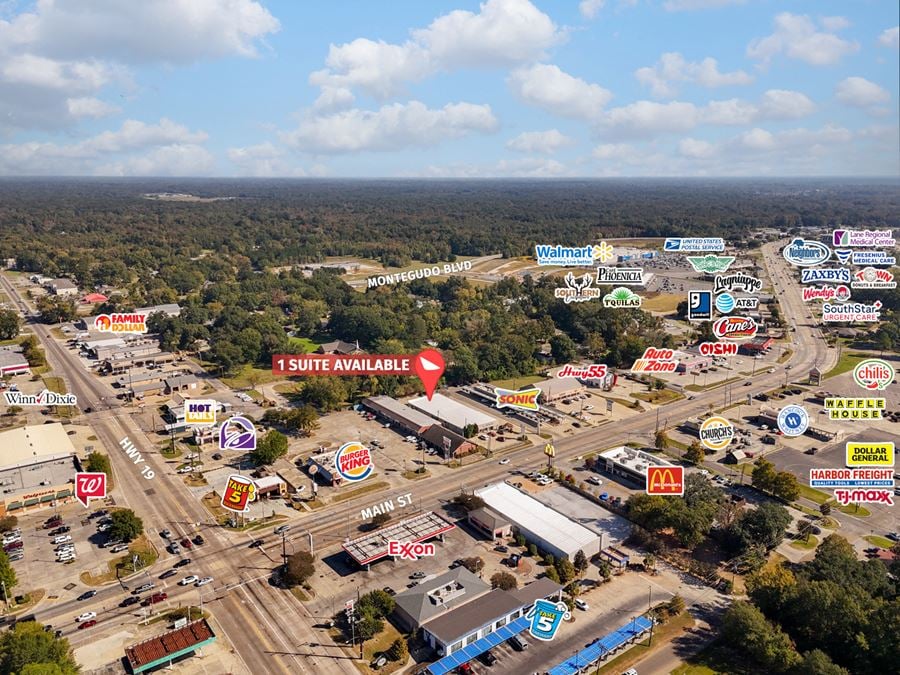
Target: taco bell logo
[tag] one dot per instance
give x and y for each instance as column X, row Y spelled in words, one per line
column 546, row 618
column 237, row 433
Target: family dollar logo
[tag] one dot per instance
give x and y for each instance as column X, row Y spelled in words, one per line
column 870, row 454
column 665, row 480
column 523, row 399
column 121, row 323
column 238, row 493
column 201, row 412
column 353, row 461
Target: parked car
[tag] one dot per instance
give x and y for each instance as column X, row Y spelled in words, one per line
column 168, row 574
column 517, row 643
column 182, row 562
column 256, row 543
column 62, row 539
column 143, row 588
column 595, row 480
column 488, row 658
column 282, row 528
column 131, row 600
column 87, row 595
column 204, row 581
column 199, row 540
column 164, row 534
column 187, row 543
column 582, row 605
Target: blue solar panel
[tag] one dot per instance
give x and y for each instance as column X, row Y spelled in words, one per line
column 608, row 643
column 469, row 652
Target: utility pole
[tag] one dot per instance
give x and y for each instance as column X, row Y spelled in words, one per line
column 5, row 598
column 284, row 549
column 649, row 607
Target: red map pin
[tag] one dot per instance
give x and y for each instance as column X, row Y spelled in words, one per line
column 89, row 486
column 429, row 366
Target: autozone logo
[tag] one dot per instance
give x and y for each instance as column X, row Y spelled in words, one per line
column 665, row 480
column 839, row 293
column 845, row 497
column 408, row 550
column 718, row 348
column 735, row 328
column 655, row 361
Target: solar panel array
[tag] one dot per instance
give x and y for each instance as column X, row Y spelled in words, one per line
column 605, row 645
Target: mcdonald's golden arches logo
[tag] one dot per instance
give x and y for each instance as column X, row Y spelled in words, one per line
column 665, row 480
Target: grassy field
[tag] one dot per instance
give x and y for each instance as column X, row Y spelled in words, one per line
column 663, row 302
column 249, row 377
column 378, row 645
column 660, row 397
column 785, row 355
column 820, row 497
column 374, row 487
column 639, row 650
column 700, row 387
column 880, row 542
column 846, row 363
column 716, row 659
column 306, row 344
column 806, row 544
column 518, row 382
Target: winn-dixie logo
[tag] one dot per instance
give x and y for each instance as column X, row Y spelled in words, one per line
column 523, row 399
column 736, row 282
column 655, row 361
column 572, row 256
column 716, row 433
column 665, row 480
column 817, row 275
column 46, row 397
column 839, row 293
column 735, row 328
column 353, row 461
column 867, row 238
column 873, row 374
column 121, row 323
column 410, row 550
column 852, row 311
column 806, row 253
column 873, row 278
column 590, row 372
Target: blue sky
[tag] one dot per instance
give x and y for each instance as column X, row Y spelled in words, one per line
column 469, row 89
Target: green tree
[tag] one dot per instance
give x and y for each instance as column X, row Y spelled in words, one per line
column 533, row 550
column 269, row 448
column 304, row 420
column 566, row 570
column 398, row 651
column 324, row 393
column 764, row 475
column 99, row 463
column 694, row 454
column 661, row 440
column 676, row 605
column 9, row 324
column 552, row 574
column 786, row 486
column 563, row 348
column 763, row 526
column 762, row 641
column 125, row 525
column 770, row 587
column 28, row 643
column 825, row 509
column 804, row 529
column 474, row 564
column 504, row 581
column 817, row 662
column 380, row 519
column 580, row 562
column 8, row 523
column 7, row 573
column 300, row 567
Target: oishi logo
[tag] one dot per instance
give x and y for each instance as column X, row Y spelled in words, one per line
column 353, row 461
column 408, row 550
column 718, row 348
column 200, row 412
column 523, row 399
column 716, row 433
column 735, row 328
column 806, row 253
column 121, row 323
column 873, row 374
column 665, row 480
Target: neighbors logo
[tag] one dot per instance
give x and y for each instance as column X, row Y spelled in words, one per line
column 46, row 397
column 710, row 264
column 573, row 256
column 577, row 290
column 866, row 238
column 695, row 244
column 806, row 253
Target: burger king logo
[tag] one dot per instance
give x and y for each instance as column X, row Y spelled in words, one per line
column 353, row 461
column 716, row 433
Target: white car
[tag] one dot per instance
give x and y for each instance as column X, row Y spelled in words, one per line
column 62, row 539
column 119, row 548
column 504, row 461
column 204, row 581
column 185, row 469
column 103, row 528
column 588, row 407
column 87, row 616
column 595, row 480
column 582, row 605
column 189, row 580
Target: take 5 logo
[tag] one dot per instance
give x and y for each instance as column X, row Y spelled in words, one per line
column 665, row 480
column 546, row 618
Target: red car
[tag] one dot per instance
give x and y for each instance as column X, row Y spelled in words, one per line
column 87, row 624
column 187, row 543
column 153, row 599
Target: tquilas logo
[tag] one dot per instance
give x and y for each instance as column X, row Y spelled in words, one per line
column 735, row 328
column 353, row 461
column 839, row 293
column 806, row 253
column 710, row 264
column 237, row 433
column 873, row 374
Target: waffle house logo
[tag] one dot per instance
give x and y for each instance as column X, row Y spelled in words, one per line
column 524, row 399
column 200, row 412
column 121, row 323
column 353, row 461
column 665, row 480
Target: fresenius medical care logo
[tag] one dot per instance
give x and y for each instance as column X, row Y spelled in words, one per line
column 865, row 238
column 806, row 253
column 46, row 397
column 621, row 297
column 121, row 323
column 523, row 399
column 577, row 289
column 573, row 256
column 710, row 264
column 873, row 258
column 870, row 277
column 200, row 412
column 623, row 276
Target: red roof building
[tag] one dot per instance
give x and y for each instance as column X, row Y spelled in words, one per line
column 94, row 297
column 164, row 649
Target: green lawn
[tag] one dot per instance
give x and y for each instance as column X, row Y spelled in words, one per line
column 806, row 544
column 660, row 397
column 846, row 363
column 814, row 495
column 880, row 542
column 249, row 377
column 785, row 356
column 306, row 344
column 716, row 659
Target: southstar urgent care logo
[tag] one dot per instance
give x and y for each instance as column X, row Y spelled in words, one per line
column 852, row 311
column 665, row 480
column 121, row 323
column 873, row 278
column 655, row 361
column 839, row 293
column 716, row 433
column 873, row 374
column 735, row 328
column 523, row 399
column 353, row 461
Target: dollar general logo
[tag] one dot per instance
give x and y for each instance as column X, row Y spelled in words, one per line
column 870, row 454
column 665, row 480
column 523, row 399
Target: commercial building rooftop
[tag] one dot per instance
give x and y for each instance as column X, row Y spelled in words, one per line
column 456, row 414
column 635, row 460
column 433, row 597
column 374, row 546
column 33, row 444
column 159, row 650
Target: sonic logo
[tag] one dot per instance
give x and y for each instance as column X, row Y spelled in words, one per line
column 665, row 480
column 353, row 461
column 524, row 399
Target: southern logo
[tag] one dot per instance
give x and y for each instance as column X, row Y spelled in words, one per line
column 577, row 289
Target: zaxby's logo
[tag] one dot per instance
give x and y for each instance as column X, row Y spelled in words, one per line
column 577, row 290
column 866, row 238
column 121, row 323
column 735, row 328
column 873, row 278
column 523, row 399
column 665, row 480
column 817, row 275
column 200, row 412
column 353, row 461
column 839, row 293
column 710, row 264
column 806, row 253
column 716, row 433
column 873, row 374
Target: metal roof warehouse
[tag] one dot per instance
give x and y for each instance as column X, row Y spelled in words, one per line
column 166, row 648
column 453, row 414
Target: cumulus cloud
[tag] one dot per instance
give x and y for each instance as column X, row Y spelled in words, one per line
column 392, row 127
column 590, row 8
column 613, row 151
column 88, row 106
column 544, row 142
column 797, row 37
column 860, row 92
column 502, row 33
column 784, row 104
column 266, row 159
column 692, row 147
column 890, row 37
column 546, row 86
column 672, row 68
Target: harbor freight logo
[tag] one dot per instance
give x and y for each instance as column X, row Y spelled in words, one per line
column 718, row 348
column 695, row 244
column 665, row 480
column 200, row 412
column 863, row 238
column 873, row 374
column 806, row 253
column 873, row 278
column 818, row 275
column 353, row 461
column 870, row 454
column 854, row 311
column 590, row 372
column 841, row 478
column 623, row 276
column 699, row 305
column 793, row 420
column 237, row 433
column 873, row 258
column 735, row 328
column 522, row 399
column 736, row 282
column 621, row 298
column 854, row 408
column 422, row 273
column 655, row 361
column 710, row 264
column 845, row 497
column 839, row 293
column 121, row 323
column 409, row 550
column 716, row 433
column 577, row 289
column 46, row 397
column 573, row 256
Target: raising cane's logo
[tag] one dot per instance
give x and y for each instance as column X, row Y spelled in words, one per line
column 735, row 328
column 121, row 323
column 353, row 461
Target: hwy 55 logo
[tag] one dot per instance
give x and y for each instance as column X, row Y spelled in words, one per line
column 699, row 305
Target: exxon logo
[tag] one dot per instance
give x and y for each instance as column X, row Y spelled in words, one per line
column 408, row 550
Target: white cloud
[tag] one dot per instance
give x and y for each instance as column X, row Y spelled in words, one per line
column 590, row 8
column 171, row 160
column 692, row 147
column 757, row 139
column 690, row 5
column 646, row 118
column 613, row 151
column 548, row 87
column 333, row 98
column 734, row 111
column 797, row 37
column 784, row 104
column 88, row 106
column 834, row 23
column 860, row 92
column 671, row 68
column 890, row 37
column 390, row 128
column 502, row 33
column 545, row 142
column 264, row 159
